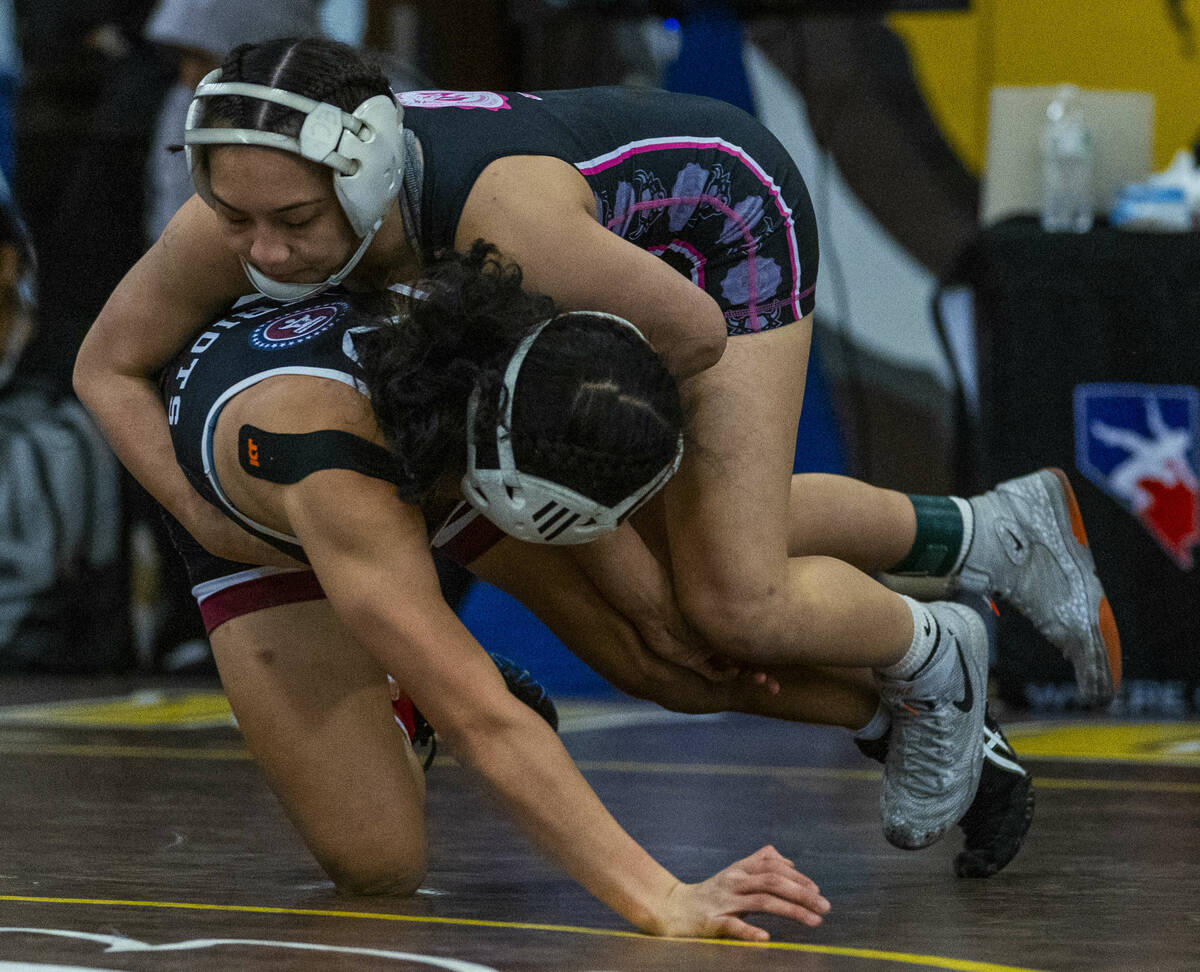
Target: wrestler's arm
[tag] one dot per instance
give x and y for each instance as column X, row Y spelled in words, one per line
column 540, row 212
column 370, row 553
column 638, row 585
column 186, row 279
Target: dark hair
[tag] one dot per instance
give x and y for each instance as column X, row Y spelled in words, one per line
column 595, row 408
column 316, row 67
column 14, row 233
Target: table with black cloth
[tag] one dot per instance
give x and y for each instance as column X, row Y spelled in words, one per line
column 1056, row 315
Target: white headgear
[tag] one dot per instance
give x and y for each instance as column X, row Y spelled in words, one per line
column 529, row 507
column 365, row 149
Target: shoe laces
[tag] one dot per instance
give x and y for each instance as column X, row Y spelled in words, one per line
column 925, row 753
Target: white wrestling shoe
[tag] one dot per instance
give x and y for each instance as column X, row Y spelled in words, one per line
column 935, row 753
column 1029, row 548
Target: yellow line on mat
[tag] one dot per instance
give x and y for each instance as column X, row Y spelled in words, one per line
column 930, row 961
column 1140, row 786
column 820, row 772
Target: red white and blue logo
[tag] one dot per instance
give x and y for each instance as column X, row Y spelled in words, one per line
column 293, row 328
column 1140, row 444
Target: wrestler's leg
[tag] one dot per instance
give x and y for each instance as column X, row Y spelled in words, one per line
column 727, row 516
column 550, row 583
column 1022, row 542
column 836, row 516
column 314, row 709
column 728, row 524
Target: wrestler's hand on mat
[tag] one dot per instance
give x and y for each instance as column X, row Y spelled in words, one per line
column 765, row 882
column 221, row 537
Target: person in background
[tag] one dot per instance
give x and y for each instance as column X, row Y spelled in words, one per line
column 62, row 592
column 10, row 78
column 18, row 285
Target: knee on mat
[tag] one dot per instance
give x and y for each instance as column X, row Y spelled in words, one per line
column 401, row 879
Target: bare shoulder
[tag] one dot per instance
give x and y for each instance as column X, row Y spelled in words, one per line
column 289, row 405
column 295, row 404
column 192, row 260
column 525, row 188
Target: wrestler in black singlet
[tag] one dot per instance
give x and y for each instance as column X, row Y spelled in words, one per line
column 257, row 340
column 697, row 181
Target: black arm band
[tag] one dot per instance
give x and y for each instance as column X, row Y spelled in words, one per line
column 286, row 458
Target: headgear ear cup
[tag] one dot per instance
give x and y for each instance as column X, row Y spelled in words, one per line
column 378, row 147
column 192, row 123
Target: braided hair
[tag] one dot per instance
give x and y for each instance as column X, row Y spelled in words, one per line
column 316, row 67
column 594, row 409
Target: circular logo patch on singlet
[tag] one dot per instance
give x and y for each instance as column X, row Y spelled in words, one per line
column 294, row 328
column 489, row 100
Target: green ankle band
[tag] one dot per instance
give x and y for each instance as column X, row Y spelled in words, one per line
column 939, row 538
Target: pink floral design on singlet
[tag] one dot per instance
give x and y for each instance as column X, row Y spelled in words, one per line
column 488, row 100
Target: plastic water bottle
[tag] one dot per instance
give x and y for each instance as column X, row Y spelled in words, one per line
column 1066, row 166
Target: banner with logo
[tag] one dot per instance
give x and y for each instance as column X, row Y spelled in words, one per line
column 1089, row 360
column 1138, row 444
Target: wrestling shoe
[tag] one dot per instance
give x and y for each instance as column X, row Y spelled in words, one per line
column 935, row 755
column 1029, row 547
column 528, row 689
column 521, row 684
column 999, row 816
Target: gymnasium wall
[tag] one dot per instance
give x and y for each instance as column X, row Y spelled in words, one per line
column 1110, row 44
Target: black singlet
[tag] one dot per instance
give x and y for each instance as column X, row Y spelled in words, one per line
column 697, row 181
column 255, row 341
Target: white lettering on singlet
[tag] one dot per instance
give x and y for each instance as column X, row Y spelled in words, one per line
column 202, row 344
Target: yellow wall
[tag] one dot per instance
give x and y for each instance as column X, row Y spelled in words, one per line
column 1124, row 44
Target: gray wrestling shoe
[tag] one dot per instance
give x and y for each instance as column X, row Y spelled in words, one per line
column 935, row 753
column 1029, row 548
column 998, row 819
